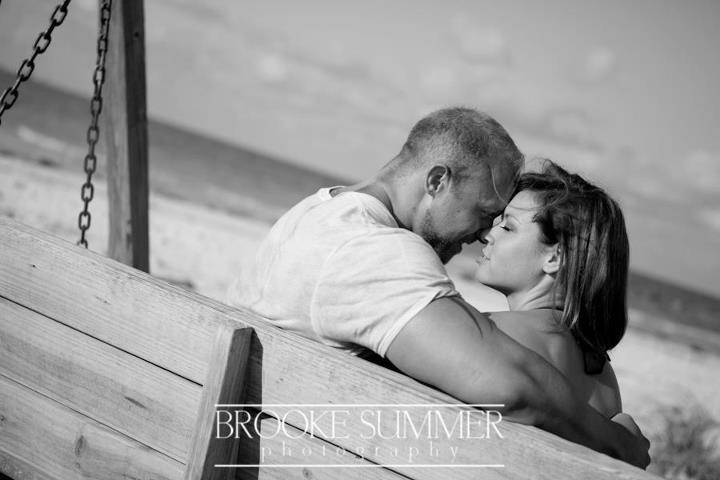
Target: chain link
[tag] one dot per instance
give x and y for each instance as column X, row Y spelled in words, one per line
column 93, row 133
column 10, row 95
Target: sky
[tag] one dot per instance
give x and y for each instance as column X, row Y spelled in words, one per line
column 625, row 92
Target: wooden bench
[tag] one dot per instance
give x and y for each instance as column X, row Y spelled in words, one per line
column 106, row 372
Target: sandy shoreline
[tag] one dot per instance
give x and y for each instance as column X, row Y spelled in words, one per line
column 202, row 248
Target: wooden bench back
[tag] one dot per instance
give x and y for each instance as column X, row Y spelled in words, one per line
column 107, row 371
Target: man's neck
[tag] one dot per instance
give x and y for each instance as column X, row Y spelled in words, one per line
column 377, row 189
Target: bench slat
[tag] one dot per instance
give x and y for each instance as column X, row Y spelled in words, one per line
column 89, row 293
column 251, row 451
column 119, row 305
column 18, row 469
column 124, row 392
column 53, row 357
column 224, row 384
column 56, row 442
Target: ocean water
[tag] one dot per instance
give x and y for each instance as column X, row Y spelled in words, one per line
column 48, row 126
column 264, row 90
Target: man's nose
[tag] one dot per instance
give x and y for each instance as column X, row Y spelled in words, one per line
column 483, row 234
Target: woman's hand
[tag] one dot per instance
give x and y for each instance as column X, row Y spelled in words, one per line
column 627, row 421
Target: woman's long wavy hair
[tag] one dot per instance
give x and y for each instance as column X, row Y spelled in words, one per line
column 591, row 283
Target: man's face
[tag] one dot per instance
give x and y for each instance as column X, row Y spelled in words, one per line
column 461, row 212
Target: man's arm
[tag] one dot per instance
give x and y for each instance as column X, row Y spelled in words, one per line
column 455, row 348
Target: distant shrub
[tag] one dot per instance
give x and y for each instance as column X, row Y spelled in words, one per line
column 688, row 446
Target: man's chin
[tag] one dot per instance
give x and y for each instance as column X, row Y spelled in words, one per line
column 449, row 254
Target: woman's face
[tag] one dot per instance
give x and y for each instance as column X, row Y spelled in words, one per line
column 514, row 258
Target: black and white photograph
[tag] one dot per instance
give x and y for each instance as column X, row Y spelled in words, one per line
column 388, row 240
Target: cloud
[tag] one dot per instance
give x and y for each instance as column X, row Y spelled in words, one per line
column 458, row 81
column 599, row 64
column 439, row 79
column 700, row 170
column 86, row 5
column 272, row 68
column 681, row 181
column 575, row 158
column 480, row 43
column 691, row 179
column 710, row 218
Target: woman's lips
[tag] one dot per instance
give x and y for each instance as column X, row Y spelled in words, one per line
column 483, row 257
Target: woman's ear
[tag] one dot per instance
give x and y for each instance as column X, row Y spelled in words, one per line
column 437, row 179
column 551, row 265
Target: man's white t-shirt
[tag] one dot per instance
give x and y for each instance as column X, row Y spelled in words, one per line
column 340, row 271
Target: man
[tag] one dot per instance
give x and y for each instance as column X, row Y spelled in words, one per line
column 361, row 267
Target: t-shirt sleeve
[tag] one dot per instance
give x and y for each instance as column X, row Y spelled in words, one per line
column 373, row 285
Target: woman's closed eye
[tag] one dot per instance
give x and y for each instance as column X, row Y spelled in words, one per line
column 504, row 225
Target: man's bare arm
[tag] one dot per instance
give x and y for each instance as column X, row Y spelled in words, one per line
column 455, row 348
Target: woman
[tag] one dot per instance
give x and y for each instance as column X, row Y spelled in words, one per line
column 560, row 254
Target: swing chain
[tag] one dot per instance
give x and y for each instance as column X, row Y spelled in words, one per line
column 93, row 133
column 10, row 95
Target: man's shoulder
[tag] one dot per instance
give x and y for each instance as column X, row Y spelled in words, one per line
column 353, row 208
column 347, row 217
column 348, row 229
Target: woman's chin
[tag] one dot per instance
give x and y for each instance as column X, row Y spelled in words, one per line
column 482, row 277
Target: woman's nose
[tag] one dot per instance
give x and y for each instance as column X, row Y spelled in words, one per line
column 484, row 235
column 488, row 237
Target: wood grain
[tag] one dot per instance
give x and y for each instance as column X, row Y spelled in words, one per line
column 269, row 451
column 126, row 133
column 111, row 302
column 224, row 384
column 43, row 439
column 135, row 397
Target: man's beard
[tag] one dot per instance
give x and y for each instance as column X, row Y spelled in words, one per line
column 444, row 249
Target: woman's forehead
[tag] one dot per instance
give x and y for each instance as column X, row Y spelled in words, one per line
column 522, row 204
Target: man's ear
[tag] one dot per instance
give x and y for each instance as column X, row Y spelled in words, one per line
column 551, row 265
column 437, row 179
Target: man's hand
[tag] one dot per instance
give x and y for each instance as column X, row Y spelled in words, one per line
column 455, row 348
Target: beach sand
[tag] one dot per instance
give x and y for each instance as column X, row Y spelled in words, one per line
column 203, row 248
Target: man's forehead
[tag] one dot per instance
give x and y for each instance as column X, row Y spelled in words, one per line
column 497, row 208
column 506, row 177
column 493, row 192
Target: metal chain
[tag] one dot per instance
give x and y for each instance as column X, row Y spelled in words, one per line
column 93, row 134
column 27, row 67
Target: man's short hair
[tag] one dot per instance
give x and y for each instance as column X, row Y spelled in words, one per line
column 464, row 139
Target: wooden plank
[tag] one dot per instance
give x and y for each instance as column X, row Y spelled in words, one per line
column 276, row 455
column 224, row 384
column 284, row 368
column 89, row 293
column 18, row 469
column 127, row 135
column 104, row 383
column 56, row 442
column 50, row 357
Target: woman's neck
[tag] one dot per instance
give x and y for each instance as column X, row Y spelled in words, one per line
column 537, row 297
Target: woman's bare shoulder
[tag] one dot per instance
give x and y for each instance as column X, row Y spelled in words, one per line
column 527, row 327
column 538, row 331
